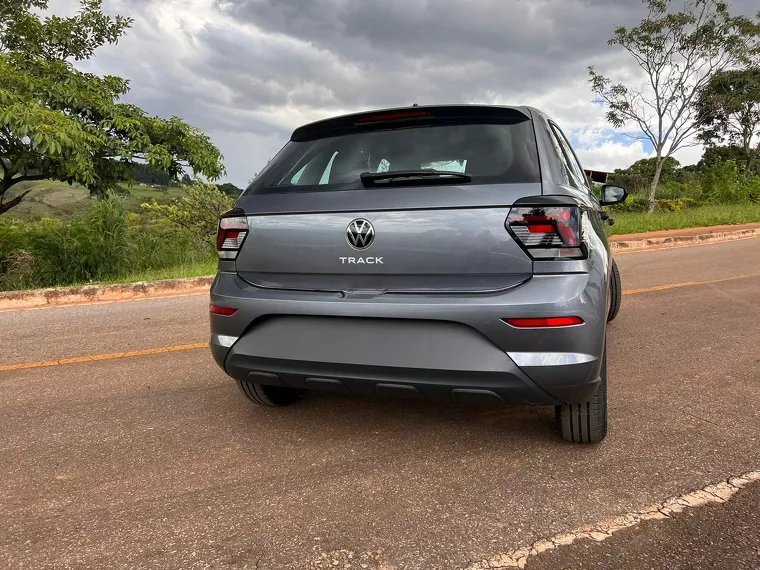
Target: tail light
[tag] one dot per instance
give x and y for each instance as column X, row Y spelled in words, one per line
column 230, row 237
column 547, row 232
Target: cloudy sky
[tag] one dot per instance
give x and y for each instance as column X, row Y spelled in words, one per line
column 249, row 71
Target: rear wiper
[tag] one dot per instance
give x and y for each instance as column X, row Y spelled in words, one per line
column 412, row 176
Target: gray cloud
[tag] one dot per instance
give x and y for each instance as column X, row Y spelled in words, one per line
column 445, row 49
column 249, row 71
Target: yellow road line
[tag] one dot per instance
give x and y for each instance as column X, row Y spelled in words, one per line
column 688, row 284
column 99, row 357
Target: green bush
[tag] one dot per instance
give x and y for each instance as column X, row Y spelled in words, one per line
column 105, row 244
column 634, row 203
column 675, row 205
column 640, row 203
column 722, row 183
column 197, row 211
column 718, row 181
column 680, row 190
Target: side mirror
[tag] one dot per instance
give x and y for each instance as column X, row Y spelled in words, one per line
column 612, row 194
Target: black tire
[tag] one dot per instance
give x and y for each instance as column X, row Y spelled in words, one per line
column 272, row 396
column 587, row 422
column 616, row 293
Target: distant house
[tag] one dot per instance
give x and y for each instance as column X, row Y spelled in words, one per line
column 598, row 176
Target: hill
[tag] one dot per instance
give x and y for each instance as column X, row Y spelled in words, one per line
column 54, row 199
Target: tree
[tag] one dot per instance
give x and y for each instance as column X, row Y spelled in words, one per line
column 197, row 211
column 230, row 189
column 728, row 110
column 638, row 176
column 60, row 123
column 148, row 174
column 678, row 53
column 716, row 154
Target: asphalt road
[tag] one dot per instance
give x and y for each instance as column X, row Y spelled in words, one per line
column 156, row 461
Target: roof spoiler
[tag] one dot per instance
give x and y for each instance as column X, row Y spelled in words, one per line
column 408, row 116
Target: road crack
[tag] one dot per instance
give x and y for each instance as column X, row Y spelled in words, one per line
column 699, row 418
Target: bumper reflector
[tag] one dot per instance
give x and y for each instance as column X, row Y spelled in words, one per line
column 223, row 311
column 223, row 340
column 550, row 358
column 546, row 322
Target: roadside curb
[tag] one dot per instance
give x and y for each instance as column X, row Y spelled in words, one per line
column 91, row 294
column 621, row 245
column 88, row 294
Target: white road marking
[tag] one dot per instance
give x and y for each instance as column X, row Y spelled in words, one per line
column 717, row 493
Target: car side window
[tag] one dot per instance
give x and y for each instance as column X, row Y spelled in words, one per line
column 324, row 178
column 560, row 153
column 575, row 166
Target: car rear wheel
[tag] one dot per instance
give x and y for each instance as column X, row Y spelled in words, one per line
column 587, row 422
column 615, row 292
column 272, row 396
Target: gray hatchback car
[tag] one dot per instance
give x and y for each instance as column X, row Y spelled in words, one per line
column 448, row 252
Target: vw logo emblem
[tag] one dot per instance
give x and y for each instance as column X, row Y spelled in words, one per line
column 360, row 234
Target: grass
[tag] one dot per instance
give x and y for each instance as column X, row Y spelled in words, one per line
column 178, row 272
column 141, row 194
column 703, row 216
column 53, row 199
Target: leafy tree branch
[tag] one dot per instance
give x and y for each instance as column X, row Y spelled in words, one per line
column 60, row 123
column 677, row 53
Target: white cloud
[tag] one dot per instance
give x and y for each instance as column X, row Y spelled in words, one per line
column 689, row 155
column 610, row 155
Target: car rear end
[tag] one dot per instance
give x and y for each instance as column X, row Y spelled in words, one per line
column 418, row 253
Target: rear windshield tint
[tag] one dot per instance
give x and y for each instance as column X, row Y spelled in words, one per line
column 489, row 153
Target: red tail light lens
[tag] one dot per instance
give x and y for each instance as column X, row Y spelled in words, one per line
column 223, row 311
column 230, row 237
column 547, row 322
column 547, row 232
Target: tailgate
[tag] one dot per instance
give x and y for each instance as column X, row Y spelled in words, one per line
column 445, row 250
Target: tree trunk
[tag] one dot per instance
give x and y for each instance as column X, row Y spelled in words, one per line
column 12, row 203
column 655, row 181
column 748, row 150
column 751, row 152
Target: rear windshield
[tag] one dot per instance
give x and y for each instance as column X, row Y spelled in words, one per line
column 489, row 153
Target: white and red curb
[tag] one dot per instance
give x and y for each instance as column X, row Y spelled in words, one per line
column 618, row 244
column 93, row 294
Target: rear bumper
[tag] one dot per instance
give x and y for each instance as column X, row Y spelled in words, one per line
column 443, row 347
